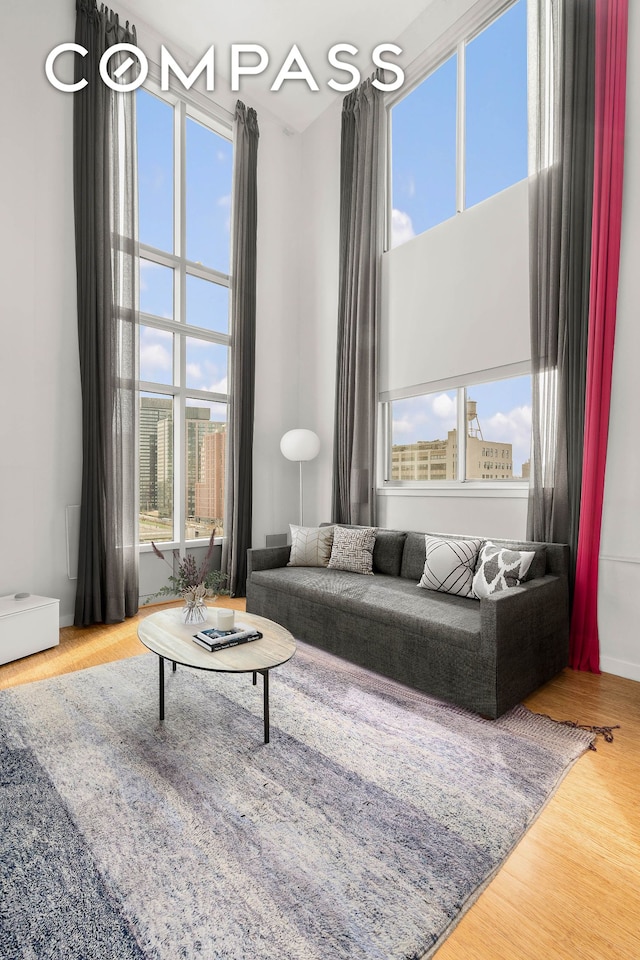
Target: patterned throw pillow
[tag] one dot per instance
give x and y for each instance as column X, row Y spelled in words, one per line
column 499, row 568
column 310, row 546
column 450, row 564
column 353, row 549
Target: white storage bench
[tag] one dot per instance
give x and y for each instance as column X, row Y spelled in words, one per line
column 27, row 626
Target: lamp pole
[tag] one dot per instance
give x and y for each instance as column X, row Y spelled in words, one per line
column 300, row 445
column 301, row 505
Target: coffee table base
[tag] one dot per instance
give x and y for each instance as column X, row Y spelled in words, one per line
column 265, row 693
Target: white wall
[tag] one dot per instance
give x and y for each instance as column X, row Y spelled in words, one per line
column 619, row 586
column 318, row 271
column 487, row 516
column 40, row 456
column 279, row 332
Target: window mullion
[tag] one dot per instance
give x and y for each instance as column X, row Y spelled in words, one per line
column 388, row 182
column 460, row 128
column 462, row 434
column 179, row 468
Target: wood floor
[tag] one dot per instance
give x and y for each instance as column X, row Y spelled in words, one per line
column 571, row 889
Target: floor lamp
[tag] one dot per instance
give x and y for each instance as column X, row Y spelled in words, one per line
column 300, row 445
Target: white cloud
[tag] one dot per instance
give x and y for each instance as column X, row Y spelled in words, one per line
column 224, row 201
column 504, row 426
column 424, row 418
column 153, row 356
column 513, row 427
column 194, row 371
column 444, row 406
column 219, row 387
column 401, row 228
column 404, row 425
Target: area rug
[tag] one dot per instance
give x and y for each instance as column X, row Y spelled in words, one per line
column 364, row 829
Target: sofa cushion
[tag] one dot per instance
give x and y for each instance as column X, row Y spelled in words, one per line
column 392, row 601
column 310, row 546
column 387, row 552
column 450, row 564
column 413, row 557
column 500, row 569
column 353, row 549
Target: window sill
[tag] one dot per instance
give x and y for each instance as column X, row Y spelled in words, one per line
column 171, row 545
column 502, row 490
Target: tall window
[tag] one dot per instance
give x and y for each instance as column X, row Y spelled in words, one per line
column 185, row 176
column 475, row 432
column 460, row 136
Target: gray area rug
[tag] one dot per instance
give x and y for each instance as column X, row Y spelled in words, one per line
column 366, row 827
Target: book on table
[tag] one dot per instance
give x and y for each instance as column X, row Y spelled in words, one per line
column 213, row 639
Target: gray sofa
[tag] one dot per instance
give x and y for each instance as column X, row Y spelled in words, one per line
column 484, row 655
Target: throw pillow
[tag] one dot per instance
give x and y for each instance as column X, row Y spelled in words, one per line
column 387, row 553
column 310, row 546
column 353, row 549
column 499, row 569
column 450, row 564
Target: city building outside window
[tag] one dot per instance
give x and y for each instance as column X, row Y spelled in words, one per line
column 185, row 163
column 493, row 418
column 460, row 136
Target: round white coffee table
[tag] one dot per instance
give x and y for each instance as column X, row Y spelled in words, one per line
column 165, row 634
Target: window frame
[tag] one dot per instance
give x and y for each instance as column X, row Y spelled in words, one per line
column 452, row 41
column 461, row 486
column 194, row 106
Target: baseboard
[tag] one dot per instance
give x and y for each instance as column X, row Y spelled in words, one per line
column 66, row 621
column 621, row 668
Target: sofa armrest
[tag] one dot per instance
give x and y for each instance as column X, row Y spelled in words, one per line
column 539, row 606
column 267, row 558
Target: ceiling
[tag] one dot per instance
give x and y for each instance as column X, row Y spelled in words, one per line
column 194, row 25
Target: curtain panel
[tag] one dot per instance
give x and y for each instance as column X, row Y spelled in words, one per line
column 239, row 489
column 105, row 209
column 610, row 103
column 361, row 218
column 560, row 209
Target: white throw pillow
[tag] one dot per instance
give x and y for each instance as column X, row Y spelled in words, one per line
column 499, row 569
column 310, row 546
column 450, row 564
column 353, row 549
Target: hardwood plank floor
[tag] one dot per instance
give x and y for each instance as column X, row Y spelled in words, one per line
column 571, row 888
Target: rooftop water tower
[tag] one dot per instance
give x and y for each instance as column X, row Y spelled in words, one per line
column 473, row 424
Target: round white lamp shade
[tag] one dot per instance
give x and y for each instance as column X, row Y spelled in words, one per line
column 300, row 445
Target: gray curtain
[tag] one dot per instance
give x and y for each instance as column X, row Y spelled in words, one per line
column 104, row 161
column 561, row 197
column 361, row 218
column 239, row 489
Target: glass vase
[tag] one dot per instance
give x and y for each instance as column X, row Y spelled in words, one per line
column 194, row 611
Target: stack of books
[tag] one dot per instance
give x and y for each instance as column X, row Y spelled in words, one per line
column 213, row 639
